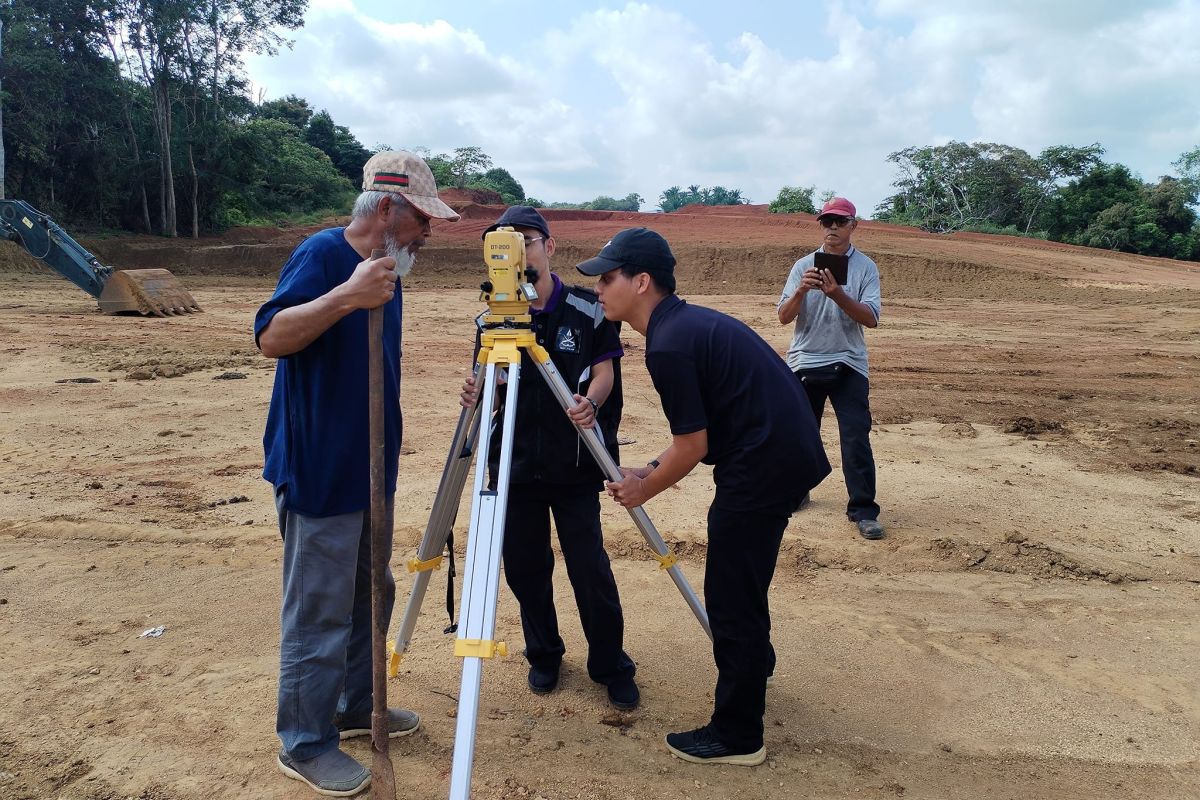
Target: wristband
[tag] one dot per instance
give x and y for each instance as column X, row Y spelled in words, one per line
column 653, row 464
column 595, row 408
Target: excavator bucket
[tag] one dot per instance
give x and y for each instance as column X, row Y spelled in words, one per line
column 145, row 291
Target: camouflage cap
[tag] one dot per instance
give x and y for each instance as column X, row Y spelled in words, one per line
column 408, row 175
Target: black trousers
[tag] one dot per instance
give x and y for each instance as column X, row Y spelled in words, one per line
column 848, row 391
column 743, row 547
column 529, row 570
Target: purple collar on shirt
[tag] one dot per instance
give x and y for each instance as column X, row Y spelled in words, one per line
column 555, row 296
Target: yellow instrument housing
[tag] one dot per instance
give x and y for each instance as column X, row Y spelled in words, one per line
column 504, row 256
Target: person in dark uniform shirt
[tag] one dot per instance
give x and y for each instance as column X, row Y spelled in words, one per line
column 731, row 402
column 554, row 474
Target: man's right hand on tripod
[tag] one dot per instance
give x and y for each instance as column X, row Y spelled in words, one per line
column 470, row 394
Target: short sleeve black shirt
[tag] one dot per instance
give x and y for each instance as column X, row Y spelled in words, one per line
column 712, row 372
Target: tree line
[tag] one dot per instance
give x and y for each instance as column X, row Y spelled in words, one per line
column 1066, row 194
column 136, row 115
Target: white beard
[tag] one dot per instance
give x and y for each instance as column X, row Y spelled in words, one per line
column 405, row 258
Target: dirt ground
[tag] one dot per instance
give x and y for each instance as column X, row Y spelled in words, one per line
column 1028, row 629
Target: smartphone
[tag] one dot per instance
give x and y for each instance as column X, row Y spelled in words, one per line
column 838, row 266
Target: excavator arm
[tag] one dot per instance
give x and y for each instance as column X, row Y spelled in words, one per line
column 141, row 291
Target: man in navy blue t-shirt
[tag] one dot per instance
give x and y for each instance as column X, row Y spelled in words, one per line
column 731, row 402
column 317, row 457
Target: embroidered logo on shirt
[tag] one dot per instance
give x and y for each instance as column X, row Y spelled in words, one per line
column 567, row 340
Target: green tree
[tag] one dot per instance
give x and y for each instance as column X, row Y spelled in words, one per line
column 1076, row 205
column 499, row 180
column 674, row 198
column 1053, row 166
column 630, row 202
column 958, row 186
column 336, row 141
column 64, row 133
column 191, row 51
column 1172, row 199
column 793, row 200
column 291, row 109
column 468, row 164
column 279, row 173
column 1130, row 227
column 1188, row 166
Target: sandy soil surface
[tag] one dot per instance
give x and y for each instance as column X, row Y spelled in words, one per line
column 1028, row 629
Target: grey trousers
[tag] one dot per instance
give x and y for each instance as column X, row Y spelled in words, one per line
column 325, row 643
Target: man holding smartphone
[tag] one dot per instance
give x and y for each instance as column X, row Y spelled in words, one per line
column 829, row 352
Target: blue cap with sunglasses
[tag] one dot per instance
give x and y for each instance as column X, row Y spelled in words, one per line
column 521, row 217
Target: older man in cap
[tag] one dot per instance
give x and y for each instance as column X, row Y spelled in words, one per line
column 731, row 402
column 317, row 458
column 829, row 352
column 553, row 474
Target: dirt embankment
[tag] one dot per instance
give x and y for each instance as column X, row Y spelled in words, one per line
column 1027, row 628
column 720, row 250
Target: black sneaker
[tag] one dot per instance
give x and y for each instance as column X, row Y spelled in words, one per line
column 333, row 773
column 701, row 747
column 623, row 694
column 542, row 681
column 401, row 722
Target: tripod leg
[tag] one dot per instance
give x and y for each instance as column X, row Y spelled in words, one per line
column 641, row 519
column 481, row 584
column 441, row 522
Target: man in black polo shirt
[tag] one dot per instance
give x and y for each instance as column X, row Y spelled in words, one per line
column 731, row 402
column 553, row 473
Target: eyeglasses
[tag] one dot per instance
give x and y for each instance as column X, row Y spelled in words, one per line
column 835, row 222
column 531, row 239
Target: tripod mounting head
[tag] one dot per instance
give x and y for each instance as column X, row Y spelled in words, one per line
column 509, row 287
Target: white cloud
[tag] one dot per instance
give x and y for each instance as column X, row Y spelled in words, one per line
column 639, row 97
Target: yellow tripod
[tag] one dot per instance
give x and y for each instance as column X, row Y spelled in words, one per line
column 507, row 333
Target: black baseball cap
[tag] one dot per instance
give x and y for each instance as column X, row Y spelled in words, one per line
column 638, row 247
column 521, row 217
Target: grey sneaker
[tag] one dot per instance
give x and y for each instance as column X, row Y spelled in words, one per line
column 870, row 529
column 333, row 773
column 401, row 722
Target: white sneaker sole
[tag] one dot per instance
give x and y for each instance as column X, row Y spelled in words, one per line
column 737, row 760
column 291, row 773
column 351, row 733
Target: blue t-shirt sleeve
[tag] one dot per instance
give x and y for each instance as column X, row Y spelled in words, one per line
column 678, row 385
column 301, row 280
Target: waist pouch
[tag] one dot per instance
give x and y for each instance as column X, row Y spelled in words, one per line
column 823, row 377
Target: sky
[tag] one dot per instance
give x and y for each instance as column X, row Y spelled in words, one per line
column 578, row 99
